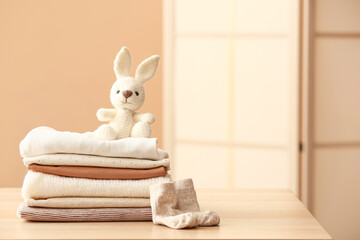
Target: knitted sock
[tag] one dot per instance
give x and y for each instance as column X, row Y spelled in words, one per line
column 163, row 202
column 187, row 202
column 207, row 218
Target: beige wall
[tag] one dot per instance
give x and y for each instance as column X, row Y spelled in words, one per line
column 334, row 179
column 56, row 66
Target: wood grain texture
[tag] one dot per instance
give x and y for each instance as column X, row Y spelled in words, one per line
column 245, row 214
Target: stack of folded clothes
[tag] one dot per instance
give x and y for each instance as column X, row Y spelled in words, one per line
column 76, row 177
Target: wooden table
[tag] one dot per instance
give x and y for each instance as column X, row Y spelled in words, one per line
column 245, row 214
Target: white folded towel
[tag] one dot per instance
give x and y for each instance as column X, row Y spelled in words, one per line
column 96, row 161
column 45, row 140
column 41, row 185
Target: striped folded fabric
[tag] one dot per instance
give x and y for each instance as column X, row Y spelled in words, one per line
column 84, row 214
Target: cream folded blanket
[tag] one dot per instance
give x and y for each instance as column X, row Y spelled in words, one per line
column 41, row 185
column 96, row 161
column 73, row 202
column 45, row 140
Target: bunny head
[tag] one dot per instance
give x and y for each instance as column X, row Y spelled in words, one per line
column 128, row 92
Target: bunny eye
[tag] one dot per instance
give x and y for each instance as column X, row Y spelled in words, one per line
column 137, row 94
column 117, row 92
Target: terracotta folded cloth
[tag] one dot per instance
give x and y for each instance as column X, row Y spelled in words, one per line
column 99, row 172
column 83, row 202
column 84, row 214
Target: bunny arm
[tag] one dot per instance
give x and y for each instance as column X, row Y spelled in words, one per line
column 144, row 117
column 105, row 115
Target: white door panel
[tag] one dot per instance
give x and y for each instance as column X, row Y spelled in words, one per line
column 229, row 86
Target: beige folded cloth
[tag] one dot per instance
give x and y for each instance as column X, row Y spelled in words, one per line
column 98, row 172
column 95, row 161
column 84, row 214
column 41, row 185
column 73, row 202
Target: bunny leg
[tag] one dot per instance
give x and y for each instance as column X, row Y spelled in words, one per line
column 105, row 132
column 141, row 129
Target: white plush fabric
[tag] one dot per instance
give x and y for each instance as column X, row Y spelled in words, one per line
column 45, row 140
column 41, row 185
column 96, row 161
column 127, row 95
column 72, row 202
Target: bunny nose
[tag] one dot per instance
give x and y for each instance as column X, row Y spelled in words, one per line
column 127, row 93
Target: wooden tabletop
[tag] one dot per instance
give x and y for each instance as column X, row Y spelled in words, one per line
column 245, row 214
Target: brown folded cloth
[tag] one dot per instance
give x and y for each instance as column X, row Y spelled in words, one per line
column 84, row 214
column 99, row 172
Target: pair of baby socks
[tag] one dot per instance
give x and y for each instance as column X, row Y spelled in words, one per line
column 175, row 205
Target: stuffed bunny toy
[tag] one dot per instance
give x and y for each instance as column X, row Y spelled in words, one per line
column 127, row 95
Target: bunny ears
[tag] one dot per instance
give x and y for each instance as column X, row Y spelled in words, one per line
column 144, row 71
